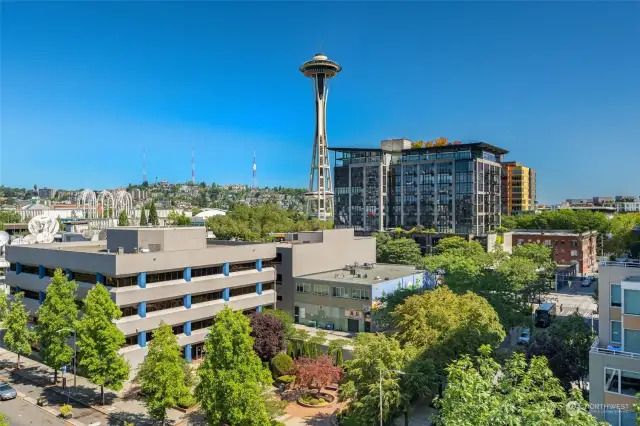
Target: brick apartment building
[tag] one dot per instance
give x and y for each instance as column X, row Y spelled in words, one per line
column 569, row 248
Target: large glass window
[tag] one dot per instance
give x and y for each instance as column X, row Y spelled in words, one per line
column 206, row 297
column 632, row 341
column 203, row 272
column 616, row 332
column 321, row 289
column 303, row 287
column 240, row 291
column 340, row 292
column 616, row 296
column 632, row 302
column 165, row 304
column 165, row 276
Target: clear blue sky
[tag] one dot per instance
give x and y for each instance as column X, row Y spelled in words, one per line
column 86, row 85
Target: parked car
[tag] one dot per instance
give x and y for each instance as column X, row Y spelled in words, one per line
column 7, row 392
column 525, row 336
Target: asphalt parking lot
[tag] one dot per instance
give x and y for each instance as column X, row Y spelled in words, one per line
column 21, row 413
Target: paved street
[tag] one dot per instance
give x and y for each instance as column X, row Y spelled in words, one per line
column 21, row 413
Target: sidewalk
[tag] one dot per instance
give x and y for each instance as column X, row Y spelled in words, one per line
column 119, row 407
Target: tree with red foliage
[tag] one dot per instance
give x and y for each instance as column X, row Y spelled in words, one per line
column 316, row 373
column 268, row 332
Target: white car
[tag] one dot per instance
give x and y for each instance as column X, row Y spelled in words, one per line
column 525, row 336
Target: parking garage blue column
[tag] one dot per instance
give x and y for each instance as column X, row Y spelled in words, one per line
column 142, row 309
column 41, row 271
column 187, row 353
column 259, row 288
column 187, row 301
column 100, row 278
column 259, row 309
column 142, row 339
column 259, row 265
column 187, row 328
column 187, row 274
column 41, row 297
column 69, row 274
column 225, row 269
column 18, row 268
column 225, row 294
column 142, row 280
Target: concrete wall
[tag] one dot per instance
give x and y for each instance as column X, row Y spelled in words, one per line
column 338, row 248
column 607, row 275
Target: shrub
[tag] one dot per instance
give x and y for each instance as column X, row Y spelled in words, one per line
column 187, row 401
column 282, row 364
column 286, row 379
column 66, row 410
column 316, row 373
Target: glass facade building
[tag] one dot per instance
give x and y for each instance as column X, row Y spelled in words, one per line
column 454, row 188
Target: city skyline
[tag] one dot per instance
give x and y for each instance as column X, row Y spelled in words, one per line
column 535, row 79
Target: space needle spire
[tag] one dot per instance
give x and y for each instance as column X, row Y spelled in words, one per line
column 320, row 194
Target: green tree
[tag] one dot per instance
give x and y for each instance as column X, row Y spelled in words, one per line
column 400, row 250
column 482, row 393
column 153, row 215
column 285, row 318
column 162, row 374
column 99, row 341
column 10, row 216
column 232, row 377
column 4, row 306
column 143, row 217
column 3, row 420
column 123, row 219
column 566, row 345
column 447, row 325
column 176, row 219
column 57, row 318
column 18, row 337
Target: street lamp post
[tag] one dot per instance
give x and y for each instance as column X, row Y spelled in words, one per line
column 75, row 360
column 391, row 371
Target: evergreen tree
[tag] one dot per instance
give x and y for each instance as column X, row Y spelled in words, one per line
column 99, row 341
column 232, row 377
column 18, row 338
column 143, row 217
column 57, row 318
column 162, row 375
column 153, row 215
column 123, row 220
column 3, row 306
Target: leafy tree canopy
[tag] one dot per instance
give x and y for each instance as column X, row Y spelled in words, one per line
column 257, row 222
column 232, row 377
column 268, row 332
column 481, row 393
column 18, row 337
column 397, row 250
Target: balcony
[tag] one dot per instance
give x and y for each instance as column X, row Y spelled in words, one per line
column 595, row 348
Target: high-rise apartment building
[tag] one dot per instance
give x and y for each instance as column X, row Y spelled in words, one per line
column 518, row 188
column 451, row 188
column 614, row 360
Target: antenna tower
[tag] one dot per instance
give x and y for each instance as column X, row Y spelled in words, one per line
column 144, row 165
column 255, row 171
column 193, row 166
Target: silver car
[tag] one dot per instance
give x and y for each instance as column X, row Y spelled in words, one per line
column 7, row 392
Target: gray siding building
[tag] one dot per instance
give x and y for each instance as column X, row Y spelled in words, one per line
column 154, row 274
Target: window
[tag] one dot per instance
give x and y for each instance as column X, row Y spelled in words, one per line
column 240, row 291
column 547, row 243
column 278, row 258
column 574, row 243
column 86, row 278
column 616, row 332
column 279, row 298
column 360, row 294
column 246, row 266
column 321, row 289
column 130, row 340
column 279, row 279
column 28, row 269
column 574, row 253
column 203, row 272
column 128, row 311
column 340, row 292
column 165, row 276
column 12, row 267
column 622, row 382
column 121, row 281
column 632, row 341
column 267, row 286
column 205, row 323
column 303, row 287
column 165, row 304
column 616, row 296
column 178, row 329
column 632, row 302
column 267, row 263
column 206, row 297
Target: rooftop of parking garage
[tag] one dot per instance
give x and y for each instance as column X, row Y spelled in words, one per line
column 368, row 274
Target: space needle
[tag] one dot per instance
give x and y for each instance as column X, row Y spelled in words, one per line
column 320, row 70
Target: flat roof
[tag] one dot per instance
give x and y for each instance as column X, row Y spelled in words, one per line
column 379, row 273
column 551, row 232
column 478, row 145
